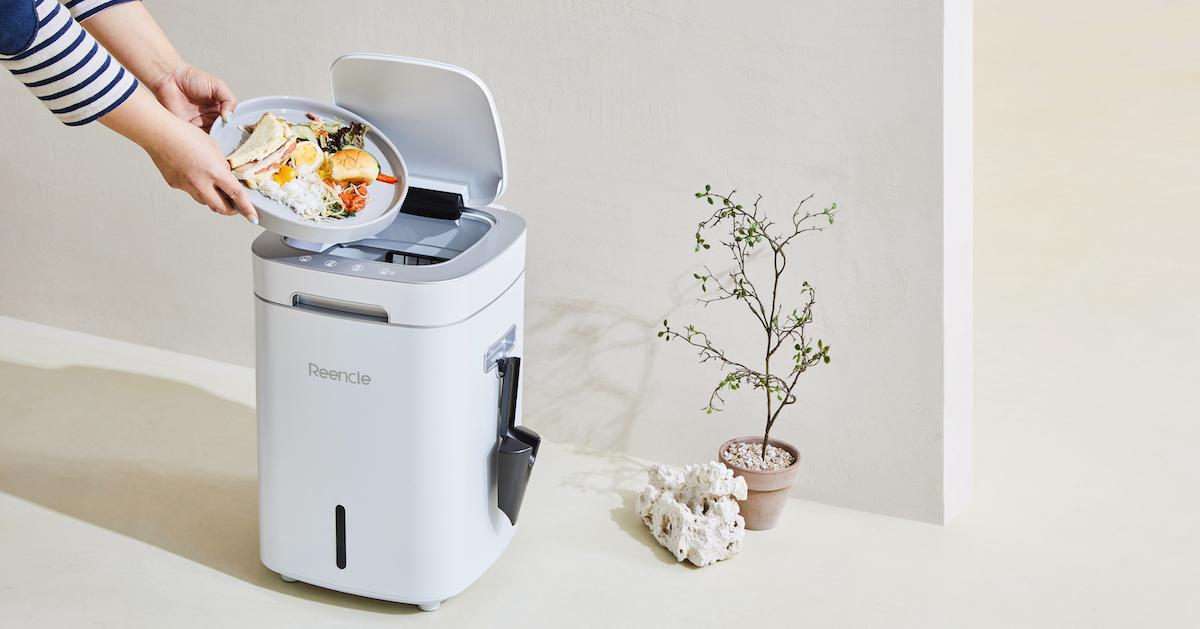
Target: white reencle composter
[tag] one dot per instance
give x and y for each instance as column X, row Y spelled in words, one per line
column 392, row 462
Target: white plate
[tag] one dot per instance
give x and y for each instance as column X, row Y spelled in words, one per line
column 383, row 200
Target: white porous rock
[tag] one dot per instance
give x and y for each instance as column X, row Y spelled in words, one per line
column 693, row 512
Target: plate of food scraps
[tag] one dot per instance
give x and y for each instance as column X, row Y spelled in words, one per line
column 314, row 171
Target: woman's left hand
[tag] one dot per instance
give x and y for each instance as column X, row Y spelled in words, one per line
column 194, row 96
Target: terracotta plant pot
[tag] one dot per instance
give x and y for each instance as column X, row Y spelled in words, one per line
column 768, row 488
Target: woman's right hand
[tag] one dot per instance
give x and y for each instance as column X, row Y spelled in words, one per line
column 189, row 160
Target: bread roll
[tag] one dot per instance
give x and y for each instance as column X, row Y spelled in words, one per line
column 353, row 166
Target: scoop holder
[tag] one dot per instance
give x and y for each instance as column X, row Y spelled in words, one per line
column 518, row 444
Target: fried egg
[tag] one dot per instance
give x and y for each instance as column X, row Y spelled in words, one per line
column 307, row 157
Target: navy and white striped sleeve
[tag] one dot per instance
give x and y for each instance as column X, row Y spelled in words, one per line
column 83, row 9
column 67, row 69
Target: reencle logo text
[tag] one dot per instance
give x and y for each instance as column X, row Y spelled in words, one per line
column 353, row 377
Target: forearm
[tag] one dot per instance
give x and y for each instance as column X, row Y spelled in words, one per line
column 142, row 120
column 134, row 37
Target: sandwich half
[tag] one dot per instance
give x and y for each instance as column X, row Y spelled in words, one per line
column 268, row 146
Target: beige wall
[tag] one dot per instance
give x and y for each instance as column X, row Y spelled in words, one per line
column 614, row 113
column 1087, row 264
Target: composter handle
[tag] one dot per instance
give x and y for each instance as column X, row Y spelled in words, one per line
column 518, row 445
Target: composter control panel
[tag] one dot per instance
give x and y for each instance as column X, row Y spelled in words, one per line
column 343, row 266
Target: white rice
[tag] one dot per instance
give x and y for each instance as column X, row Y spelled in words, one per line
column 305, row 194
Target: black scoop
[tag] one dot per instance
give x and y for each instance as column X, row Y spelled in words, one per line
column 518, row 444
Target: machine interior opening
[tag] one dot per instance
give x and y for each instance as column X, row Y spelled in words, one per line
column 417, row 241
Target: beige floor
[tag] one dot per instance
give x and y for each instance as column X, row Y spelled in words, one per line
column 127, row 494
column 127, row 499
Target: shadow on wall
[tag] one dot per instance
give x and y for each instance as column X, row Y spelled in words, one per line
column 594, row 362
column 154, row 460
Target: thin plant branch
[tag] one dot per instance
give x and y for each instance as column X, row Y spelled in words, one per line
column 745, row 232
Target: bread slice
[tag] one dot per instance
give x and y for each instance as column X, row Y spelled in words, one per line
column 269, row 134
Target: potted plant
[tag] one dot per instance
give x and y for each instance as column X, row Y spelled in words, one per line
column 768, row 465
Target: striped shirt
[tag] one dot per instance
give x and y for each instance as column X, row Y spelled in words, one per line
column 64, row 67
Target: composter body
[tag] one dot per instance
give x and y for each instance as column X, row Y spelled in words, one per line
column 378, row 397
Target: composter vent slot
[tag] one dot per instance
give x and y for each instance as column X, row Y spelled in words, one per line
column 412, row 259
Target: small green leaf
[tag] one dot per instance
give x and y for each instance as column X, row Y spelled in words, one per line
column 710, row 201
column 707, row 187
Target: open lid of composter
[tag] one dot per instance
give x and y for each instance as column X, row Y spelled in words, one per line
column 440, row 117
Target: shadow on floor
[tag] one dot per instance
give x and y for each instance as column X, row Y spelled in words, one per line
column 613, row 478
column 627, row 518
column 158, row 461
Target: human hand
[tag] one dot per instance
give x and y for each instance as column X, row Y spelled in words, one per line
column 190, row 160
column 194, row 96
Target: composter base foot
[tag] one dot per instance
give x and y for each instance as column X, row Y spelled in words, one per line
column 430, row 607
column 287, row 579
